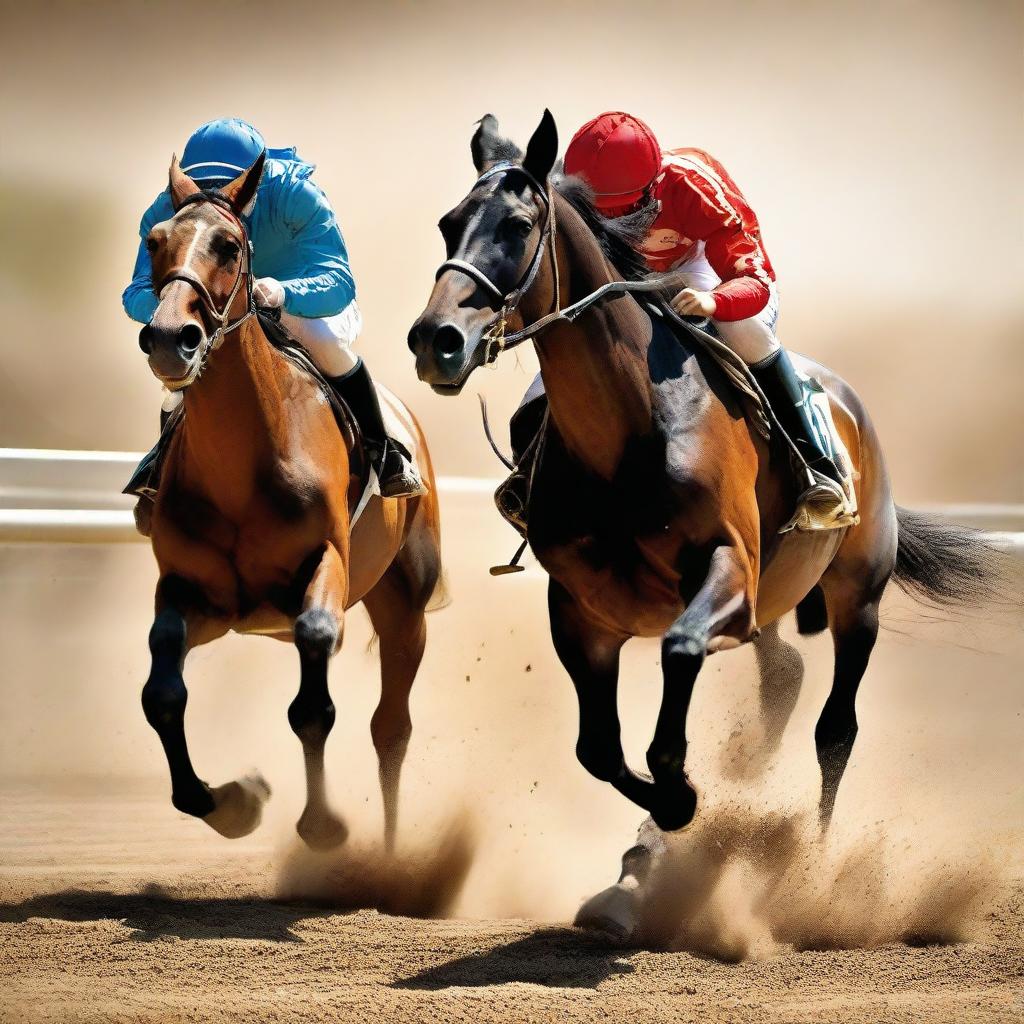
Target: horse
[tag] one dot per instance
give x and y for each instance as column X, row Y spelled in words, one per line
column 252, row 527
column 655, row 506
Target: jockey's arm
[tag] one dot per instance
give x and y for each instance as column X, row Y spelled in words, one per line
column 318, row 281
column 138, row 299
column 736, row 257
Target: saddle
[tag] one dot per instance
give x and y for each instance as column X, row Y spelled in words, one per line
column 145, row 480
column 755, row 407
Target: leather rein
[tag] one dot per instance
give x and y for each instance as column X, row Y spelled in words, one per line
column 222, row 317
column 496, row 336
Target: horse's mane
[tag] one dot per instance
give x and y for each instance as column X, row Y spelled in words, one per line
column 619, row 237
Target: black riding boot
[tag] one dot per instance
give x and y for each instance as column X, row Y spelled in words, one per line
column 777, row 378
column 513, row 494
column 396, row 473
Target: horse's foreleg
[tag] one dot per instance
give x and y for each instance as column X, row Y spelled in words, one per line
column 234, row 809
column 163, row 701
column 318, row 632
column 591, row 657
column 402, row 629
column 854, row 630
column 723, row 606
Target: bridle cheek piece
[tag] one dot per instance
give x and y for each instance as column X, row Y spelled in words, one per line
column 495, row 337
column 222, row 316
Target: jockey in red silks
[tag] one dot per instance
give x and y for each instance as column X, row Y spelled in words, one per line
column 703, row 229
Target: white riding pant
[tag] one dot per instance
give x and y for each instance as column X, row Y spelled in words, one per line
column 752, row 339
column 328, row 341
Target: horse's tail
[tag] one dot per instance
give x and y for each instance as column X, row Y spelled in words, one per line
column 943, row 564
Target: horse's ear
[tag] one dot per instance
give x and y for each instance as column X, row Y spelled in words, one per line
column 240, row 191
column 485, row 143
column 180, row 185
column 542, row 150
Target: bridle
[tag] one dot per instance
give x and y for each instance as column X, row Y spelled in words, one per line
column 222, row 317
column 495, row 337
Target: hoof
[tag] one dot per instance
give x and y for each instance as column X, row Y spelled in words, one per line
column 321, row 831
column 238, row 806
column 613, row 911
column 675, row 807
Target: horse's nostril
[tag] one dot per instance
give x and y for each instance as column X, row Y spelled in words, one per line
column 146, row 339
column 449, row 340
column 413, row 339
column 189, row 337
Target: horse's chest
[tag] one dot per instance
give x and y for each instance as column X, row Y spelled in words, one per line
column 613, row 545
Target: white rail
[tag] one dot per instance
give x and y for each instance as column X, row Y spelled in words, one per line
column 52, row 496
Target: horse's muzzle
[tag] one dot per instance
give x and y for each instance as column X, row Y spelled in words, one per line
column 172, row 351
column 444, row 354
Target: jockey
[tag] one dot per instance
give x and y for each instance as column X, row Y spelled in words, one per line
column 702, row 228
column 300, row 265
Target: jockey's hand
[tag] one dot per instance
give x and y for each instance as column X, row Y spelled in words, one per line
column 690, row 302
column 268, row 292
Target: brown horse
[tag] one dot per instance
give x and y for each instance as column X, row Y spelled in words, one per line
column 655, row 505
column 253, row 522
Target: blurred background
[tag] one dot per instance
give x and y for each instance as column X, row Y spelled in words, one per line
column 881, row 145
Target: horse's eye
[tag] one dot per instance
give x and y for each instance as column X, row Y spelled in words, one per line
column 152, row 245
column 226, row 249
column 520, row 226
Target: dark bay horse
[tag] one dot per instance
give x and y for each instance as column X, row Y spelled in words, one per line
column 655, row 506
column 252, row 526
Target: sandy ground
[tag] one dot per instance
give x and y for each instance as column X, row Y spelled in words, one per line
column 115, row 907
column 114, row 910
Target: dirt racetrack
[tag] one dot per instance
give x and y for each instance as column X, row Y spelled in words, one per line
column 141, row 920
column 114, row 907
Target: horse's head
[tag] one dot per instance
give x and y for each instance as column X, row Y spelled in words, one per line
column 201, row 273
column 495, row 241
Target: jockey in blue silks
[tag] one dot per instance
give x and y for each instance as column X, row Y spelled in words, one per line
column 300, row 265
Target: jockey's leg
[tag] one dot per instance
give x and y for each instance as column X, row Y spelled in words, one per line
column 513, row 494
column 755, row 342
column 329, row 343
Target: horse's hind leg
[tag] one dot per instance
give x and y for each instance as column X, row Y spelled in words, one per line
column 318, row 632
column 235, row 808
column 781, row 673
column 854, row 625
column 396, row 608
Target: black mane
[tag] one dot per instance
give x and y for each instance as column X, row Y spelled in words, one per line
column 619, row 237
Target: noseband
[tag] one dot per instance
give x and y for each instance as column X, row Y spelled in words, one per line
column 222, row 316
column 495, row 337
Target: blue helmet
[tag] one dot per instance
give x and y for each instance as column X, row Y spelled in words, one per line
column 220, row 150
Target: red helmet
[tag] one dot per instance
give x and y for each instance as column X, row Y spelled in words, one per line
column 618, row 156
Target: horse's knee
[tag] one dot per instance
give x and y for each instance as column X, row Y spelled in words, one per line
column 316, row 634
column 164, row 696
column 682, row 652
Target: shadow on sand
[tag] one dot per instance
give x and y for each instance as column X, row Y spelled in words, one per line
column 153, row 914
column 555, row 957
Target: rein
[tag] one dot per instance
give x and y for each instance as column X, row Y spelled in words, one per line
column 496, row 337
column 220, row 316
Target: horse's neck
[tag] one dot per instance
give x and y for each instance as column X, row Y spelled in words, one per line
column 234, row 427
column 594, row 370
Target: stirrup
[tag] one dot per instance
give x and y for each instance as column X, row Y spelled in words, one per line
column 512, row 565
column 824, row 505
column 404, row 482
column 510, row 503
